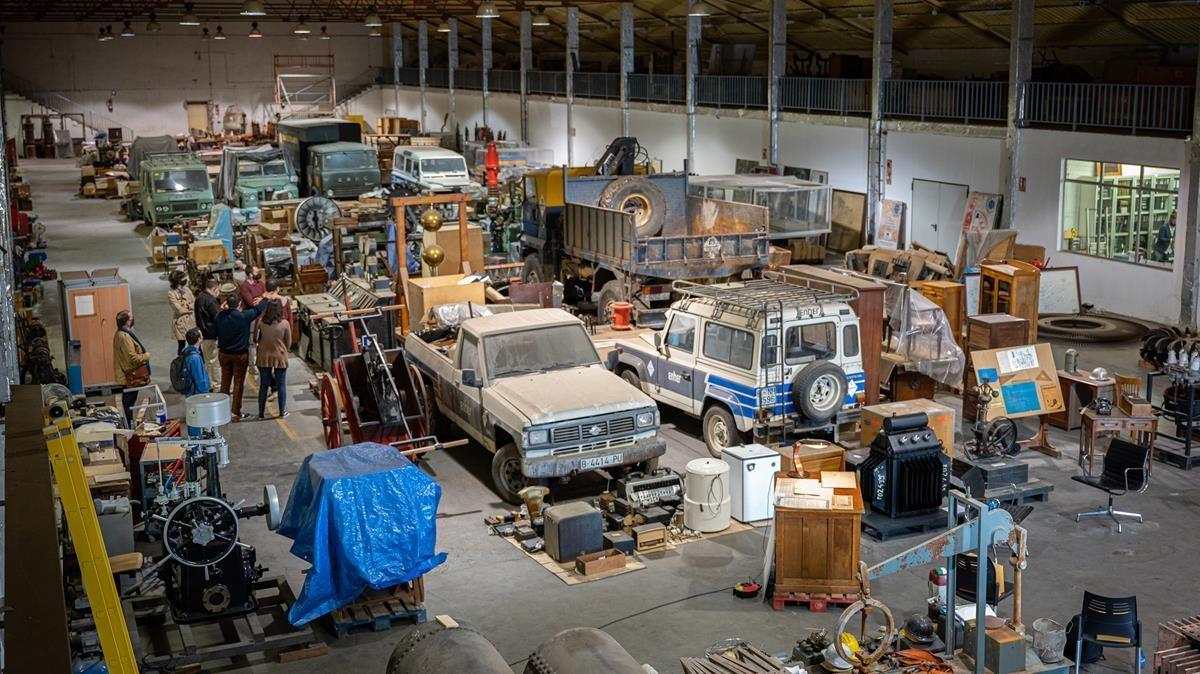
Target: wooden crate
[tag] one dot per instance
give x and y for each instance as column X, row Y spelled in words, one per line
column 447, row 238
column 427, row 292
column 941, row 420
column 817, row 551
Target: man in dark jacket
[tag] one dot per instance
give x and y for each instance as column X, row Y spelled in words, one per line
column 193, row 363
column 233, row 344
column 207, row 308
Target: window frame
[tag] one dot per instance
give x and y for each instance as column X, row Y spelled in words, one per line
column 704, row 349
column 675, row 319
column 809, row 359
column 474, row 341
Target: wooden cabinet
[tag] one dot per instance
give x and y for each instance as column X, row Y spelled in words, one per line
column 90, row 303
column 817, row 550
column 949, row 296
column 989, row 331
column 1010, row 287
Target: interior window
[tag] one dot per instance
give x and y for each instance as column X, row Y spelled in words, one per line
column 815, row 341
column 850, row 341
column 1119, row 211
column 468, row 356
column 682, row 334
column 729, row 345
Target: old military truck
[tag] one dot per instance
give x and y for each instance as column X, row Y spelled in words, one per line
column 339, row 172
column 174, row 186
column 250, row 175
column 530, row 388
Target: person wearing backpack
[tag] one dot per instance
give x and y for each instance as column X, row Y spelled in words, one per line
column 188, row 374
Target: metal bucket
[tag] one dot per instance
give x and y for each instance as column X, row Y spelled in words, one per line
column 1049, row 639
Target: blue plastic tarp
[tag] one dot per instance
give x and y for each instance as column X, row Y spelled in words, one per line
column 363, row 516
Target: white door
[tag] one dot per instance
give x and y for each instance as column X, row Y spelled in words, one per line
column 937, row 213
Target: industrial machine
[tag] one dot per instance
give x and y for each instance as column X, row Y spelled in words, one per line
column 620, row 158
column 907, row 471
column 993, row 439
column 207, row 570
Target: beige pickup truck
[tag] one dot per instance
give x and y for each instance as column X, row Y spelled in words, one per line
column 530, row 387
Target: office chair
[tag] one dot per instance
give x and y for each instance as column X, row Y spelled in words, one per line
column 1109, row 622
column 1126, row 469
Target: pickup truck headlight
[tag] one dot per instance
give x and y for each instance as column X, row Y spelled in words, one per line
column 538, row 437
column 646, row 419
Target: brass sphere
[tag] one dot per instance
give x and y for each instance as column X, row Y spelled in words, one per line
column 433, row 256
column 431, row 219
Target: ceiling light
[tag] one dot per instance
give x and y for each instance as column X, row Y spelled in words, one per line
column 443, row 26
column 540, row 19
column 324, row 33
column 103, row 37
column 254, row 31
column 375, row 32
column 372, row 19
column 152, row 24
column 220, row 35
column 253, row 8
column 205, row 35
column 487, row 10
column 700, row 8
column 127, row 31
column 189, row 17
column 301, row 28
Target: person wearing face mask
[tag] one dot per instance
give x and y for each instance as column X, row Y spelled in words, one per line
column 250, row 290
column 131, row 362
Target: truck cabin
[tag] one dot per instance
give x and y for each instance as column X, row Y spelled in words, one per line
column 174, row 186
column 342, row 170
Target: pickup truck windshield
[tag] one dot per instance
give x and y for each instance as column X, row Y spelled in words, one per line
column 348, row 160
column 445, row 165
column 540, row 349
column 253, row 169
column 180, row 181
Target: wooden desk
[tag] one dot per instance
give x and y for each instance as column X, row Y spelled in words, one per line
column 1079, row 390
column 1141, row 430
column 817, row 551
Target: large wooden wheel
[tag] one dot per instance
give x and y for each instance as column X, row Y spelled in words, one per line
column 331, row 410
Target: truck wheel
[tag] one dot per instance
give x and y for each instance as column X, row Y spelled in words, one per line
column 610, row 294
column 630, row 375
column 507, row 475
column 639, row 196
column 819, row 391
column 720, row 430
column 532, row 271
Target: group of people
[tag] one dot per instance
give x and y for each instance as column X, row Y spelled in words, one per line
column 220, row 335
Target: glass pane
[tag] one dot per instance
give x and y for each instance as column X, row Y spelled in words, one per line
column 1082, row 170
column 1119, row 211
column 682, row 334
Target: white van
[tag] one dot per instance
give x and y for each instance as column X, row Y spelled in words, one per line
column 432, row 169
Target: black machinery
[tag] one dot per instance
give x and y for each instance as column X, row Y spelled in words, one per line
column 994, row 439
column 619, row 158
column 907, row 472
column 208, row 572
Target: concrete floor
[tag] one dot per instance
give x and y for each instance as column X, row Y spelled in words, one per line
column 679, row 604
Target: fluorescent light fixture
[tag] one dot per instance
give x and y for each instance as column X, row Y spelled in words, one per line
column 189, row 17
column 127, row 30
column 443, row 26
column 372, row 20
column 324, row 33
column 220, row 34
column 152, row 25
column 700, row 8
column 101, row 37
column 540, row 19
column 254, row 31
column 301, row 28
column 253, row 8
column 487, row 10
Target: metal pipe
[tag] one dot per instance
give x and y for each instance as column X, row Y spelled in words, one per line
column 1020, row 68
column 881, row 70
column 423, row 64
column 693, row 60
column 526, row 66
column 397, row 63
column 951, row 575
column 452, row 39
column 626, row 63
column 572, row 59
column 485, row 36
column 776, row 61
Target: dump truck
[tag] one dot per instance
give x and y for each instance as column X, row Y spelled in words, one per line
column 174, row 186
column 342, row 172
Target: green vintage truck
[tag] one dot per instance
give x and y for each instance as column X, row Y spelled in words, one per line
column 250, row 175
column 342, row 170
column 174, row 186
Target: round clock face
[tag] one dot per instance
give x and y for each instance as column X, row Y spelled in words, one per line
column 314, row 217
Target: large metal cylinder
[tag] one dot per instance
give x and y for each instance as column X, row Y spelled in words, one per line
column 582, row 650
column 433, row 648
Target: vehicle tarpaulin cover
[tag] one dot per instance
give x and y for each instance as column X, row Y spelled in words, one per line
column 148, row 145
column 364, row 516
column 229, row 165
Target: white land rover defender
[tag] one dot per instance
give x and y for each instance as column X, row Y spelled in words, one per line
column 751, row 357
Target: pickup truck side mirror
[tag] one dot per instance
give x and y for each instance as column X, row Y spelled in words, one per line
column 468, row 379
column 658, row 343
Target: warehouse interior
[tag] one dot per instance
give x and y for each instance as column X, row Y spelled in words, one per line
column 700, row 336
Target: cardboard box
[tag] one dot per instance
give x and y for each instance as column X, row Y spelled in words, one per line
column 806, row 250
column 209, row 251
column 594, row 563
column 1025, row 378
column 427, row 292
column 87, row 171
column 941, row 420
column 447, row 238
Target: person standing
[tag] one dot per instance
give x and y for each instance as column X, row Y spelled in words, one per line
column 274, row 342
column 193, row 365
column 183, row 309
column 1164, row 239
column 249, row 290
column 207, row 308
column 131, row 362
column 233, row 345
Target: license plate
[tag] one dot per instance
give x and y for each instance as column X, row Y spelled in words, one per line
column 594, row 462
column 657, row 297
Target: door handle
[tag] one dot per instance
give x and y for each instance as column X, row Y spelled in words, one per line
column 687, row 376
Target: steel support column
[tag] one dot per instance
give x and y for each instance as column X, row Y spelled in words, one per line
column 397, row 64
column 693, row 66
column 423, row 64
column 572, row 62
column 485, row 36
column 452, row 42
column 777, row 59
column 626, row 62
column 526, row 66
column 881, row 70
column 1190, row 229
column 8, row 329
column 1020, row 67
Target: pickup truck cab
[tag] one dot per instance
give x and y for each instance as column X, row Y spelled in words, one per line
column 420, row 169
column 751, row 357
column 530, row 387
column 174, row 186
column 342, row 170
column 263, row 181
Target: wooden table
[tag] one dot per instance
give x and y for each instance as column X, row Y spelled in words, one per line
column 817, row 550
column 1079, row 390
column 1141, row 430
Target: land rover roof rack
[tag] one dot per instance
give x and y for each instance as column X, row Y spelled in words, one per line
column 757, row 296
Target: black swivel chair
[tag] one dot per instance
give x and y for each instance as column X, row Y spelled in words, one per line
column 966, row 575
column 1126, row 469
column 1109, row 622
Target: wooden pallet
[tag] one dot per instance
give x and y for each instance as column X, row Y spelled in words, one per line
column 818, row 602
column 378, row 610
column 883, row 528
column 161, row 644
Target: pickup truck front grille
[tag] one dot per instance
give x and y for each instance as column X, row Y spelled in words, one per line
column 184, row 206
column 604, row 444
column 590, row 431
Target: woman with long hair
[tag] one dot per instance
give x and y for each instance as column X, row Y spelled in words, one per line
column 183, row 308
column 274, row 341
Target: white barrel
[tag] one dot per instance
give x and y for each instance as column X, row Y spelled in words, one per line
column 207, row 410
column 706, row 495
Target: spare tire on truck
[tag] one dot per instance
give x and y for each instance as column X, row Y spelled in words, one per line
column 819, row 391
column 640, row 197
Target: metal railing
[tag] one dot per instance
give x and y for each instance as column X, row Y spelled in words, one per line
column 1133, row 107
column 825, row 95
column 965, row 101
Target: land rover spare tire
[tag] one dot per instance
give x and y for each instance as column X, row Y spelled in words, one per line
column 819, row 390
column 639, row 196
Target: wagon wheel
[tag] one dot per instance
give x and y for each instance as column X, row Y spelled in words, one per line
column 423, row 399
column 331, row 411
